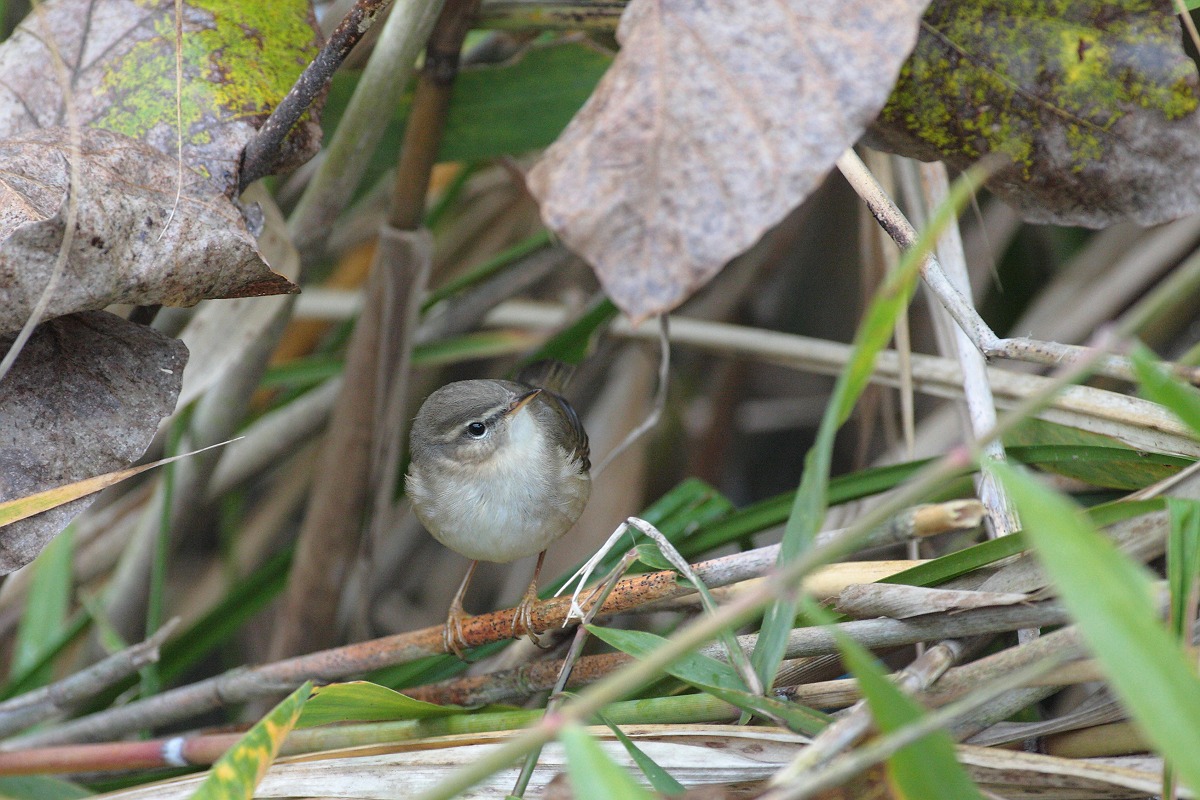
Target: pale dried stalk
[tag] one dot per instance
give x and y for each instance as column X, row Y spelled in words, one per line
column 59, row 698
column 848, row 729
column 328, row 540
column 1138, row 423
column 1115, row 267
column 977, row 392
column 845, row 767
column 347, row 154
column 981, row 336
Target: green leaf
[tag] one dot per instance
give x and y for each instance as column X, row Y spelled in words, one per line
column 495, row 111
column 690, row 504
column 773, row 511
column 40, row 787
column 1108, row 467
column 45, row 617
column 487, row 269
column 1183, row 561
column 361, row 701
column 592, row 773
column 572, row 344
column 716, row 678
column 29, row 679
column 1109, row 598
column 808, row 510
column 927, row 768
column 1183, row 401
column 659, row 778
column 235, row 775
column 960, row 562
column 650, row 555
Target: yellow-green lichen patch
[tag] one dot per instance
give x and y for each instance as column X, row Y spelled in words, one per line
column 1010, row 77
column 239, row 60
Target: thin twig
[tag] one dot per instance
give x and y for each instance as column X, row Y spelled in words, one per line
column 660, row 399
column 981, row 336
column 262, row 153
column 567, row 665
column 42, row 704
column 977, row 392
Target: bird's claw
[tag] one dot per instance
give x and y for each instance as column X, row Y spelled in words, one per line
column 453, row 640
column 522, row 622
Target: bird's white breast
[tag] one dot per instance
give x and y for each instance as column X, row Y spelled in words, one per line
column 510, row 506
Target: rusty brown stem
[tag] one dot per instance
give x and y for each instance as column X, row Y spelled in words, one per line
column 427, row 120
column 244, row 684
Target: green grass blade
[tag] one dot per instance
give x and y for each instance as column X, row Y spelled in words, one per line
column 572, row 343
column 659, row 778
column 927, row 768
column 46, row 609
column 487, row 269
column 236, row 774
column 716, row 678
column 40, row 787
column 808, row 510
column 1183, row 562
column 362, row 701
column 1110, row 599
column 592, row 773
column 1182, row 400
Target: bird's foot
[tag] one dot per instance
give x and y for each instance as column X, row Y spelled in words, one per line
column 522, row 622
column 452, row 633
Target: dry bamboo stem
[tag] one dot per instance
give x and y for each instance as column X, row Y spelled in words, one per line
column 42, row 704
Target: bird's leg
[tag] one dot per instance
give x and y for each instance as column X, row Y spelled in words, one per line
column 452, row 634
column 523, row 618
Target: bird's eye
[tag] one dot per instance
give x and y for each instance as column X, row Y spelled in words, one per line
column 476, row 430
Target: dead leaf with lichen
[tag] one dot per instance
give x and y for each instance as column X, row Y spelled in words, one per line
column 1096, row 106
column 133, row 242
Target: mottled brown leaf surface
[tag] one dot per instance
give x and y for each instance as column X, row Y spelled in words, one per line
column 113, row 63
column 1095, row 105
column 239, row 60
column 126, row 193
column 85, row 397
column 715, row 120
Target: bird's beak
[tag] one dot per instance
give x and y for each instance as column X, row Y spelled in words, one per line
column 521, row 402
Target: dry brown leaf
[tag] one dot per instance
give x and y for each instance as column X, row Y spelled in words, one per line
column 119, row 57
column 125, row 194
column 108, row 66
column 715, row 120
column 84, row 397
column 1096, row 105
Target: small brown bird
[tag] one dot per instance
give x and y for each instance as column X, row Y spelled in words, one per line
column 499, row 470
